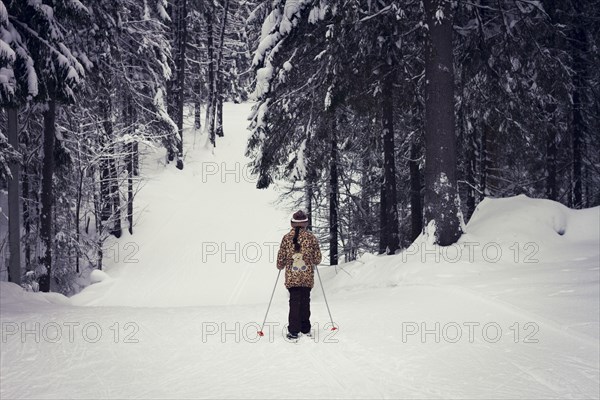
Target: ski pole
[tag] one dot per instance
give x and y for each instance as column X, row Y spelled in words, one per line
column 261, row 333
column 325, row 297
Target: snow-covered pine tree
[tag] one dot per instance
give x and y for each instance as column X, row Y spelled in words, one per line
column 124, row 50
column 582, row 31
column 354, row 46
column 127, row 83
column 51, row 73
column 514, row 104
column 228, row 59
column 9, row 155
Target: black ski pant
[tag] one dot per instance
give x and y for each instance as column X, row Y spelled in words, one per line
column 299, row 318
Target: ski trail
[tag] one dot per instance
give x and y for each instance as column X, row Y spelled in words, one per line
column 197, row 231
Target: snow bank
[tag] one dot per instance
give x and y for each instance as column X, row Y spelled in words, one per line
column 515, row 234
column 14, row 297
column 525, row 219
column 544, row 229
column 531, row 259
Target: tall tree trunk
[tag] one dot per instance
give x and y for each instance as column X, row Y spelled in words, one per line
column 551, row 152
column 136, row 159
column 27, row 216
column 81, row 172
column 578, row 49
column 109, row 182
column 471, row 169
column 589, row 187
column 382, row 196
column 115, row 193
column 209, row 123
column 219, row 73
column 197, row 96
column 382, row 217
column 46, row 232
column 310, row 193
column 491, row 155
column 416, row 206
column 14, row 212
column 333, row 194
column 98, row 216
column 365, row 181
column 171, row 111
column 182, row 44
column 440, row 150
column 483, row 162
column 105, row 204
column 78, row 213
column 551, row 40
column 171, row 84
column 391, row 240
column 219, row 108
column 129, row 161
column 130, row 188
column 105, row 177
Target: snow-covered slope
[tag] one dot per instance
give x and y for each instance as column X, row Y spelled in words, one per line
column 201, row 233
column 511, row 311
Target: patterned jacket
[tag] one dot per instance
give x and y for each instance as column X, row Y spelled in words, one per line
column 299, row 267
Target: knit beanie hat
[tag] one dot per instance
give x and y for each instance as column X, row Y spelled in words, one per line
column 299, row 216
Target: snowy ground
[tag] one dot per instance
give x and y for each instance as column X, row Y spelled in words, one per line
column 176, row 315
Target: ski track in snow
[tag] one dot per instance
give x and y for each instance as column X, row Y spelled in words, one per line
column 172, row 296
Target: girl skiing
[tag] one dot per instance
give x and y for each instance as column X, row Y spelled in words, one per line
column 299, row 253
